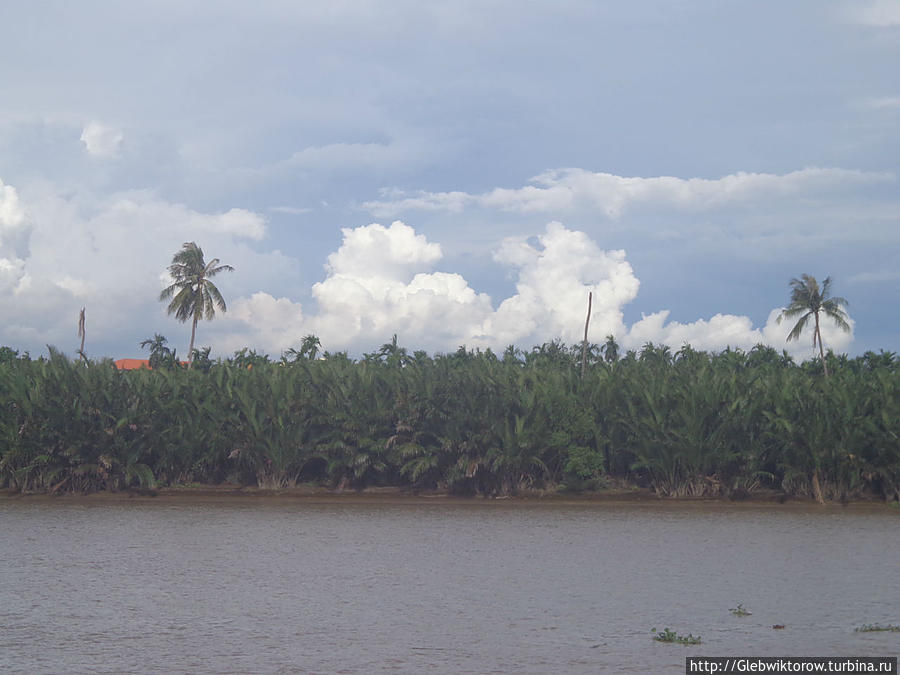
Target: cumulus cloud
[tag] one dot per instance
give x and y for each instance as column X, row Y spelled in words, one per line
column 566, row 190
column 721, row 329
column 728, row 330
column 101, row 140
column 11, row 272
column 382, row 252
column 14, row 234
column 12, row 213
column 555, row 275
column 377, row 284
column 262, row 321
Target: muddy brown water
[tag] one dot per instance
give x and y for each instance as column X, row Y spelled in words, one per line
column 256, row 586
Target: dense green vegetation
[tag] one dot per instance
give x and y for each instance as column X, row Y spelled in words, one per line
column 688, row 423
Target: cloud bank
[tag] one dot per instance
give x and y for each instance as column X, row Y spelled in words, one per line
column 568, row 190
column 60, row 252
column 379, row 283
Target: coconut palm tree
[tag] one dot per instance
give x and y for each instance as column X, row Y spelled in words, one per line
column 160, row 354
column 610, row 349
column 809, row 301
column 193, row 295
column 309, row 347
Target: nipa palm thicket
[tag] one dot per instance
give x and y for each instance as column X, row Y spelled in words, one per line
column 688, row 423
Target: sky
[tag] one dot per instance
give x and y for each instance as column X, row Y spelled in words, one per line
column 454, row 172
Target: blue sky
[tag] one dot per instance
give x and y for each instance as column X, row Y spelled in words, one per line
column 455, row 172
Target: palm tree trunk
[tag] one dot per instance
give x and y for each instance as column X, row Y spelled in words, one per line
column 585, row 342
column 191, row 346
column 821, row 348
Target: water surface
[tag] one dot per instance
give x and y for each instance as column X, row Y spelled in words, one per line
column 252, row 586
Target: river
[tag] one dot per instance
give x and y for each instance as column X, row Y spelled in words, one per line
column 480, row 586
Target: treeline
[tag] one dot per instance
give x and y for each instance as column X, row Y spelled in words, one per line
column 688, row 423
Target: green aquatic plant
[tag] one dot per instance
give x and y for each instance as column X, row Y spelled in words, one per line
column 740, row 610
column 671, row 636
column 875, row 628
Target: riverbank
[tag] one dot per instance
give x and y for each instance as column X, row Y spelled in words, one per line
column 233, row 493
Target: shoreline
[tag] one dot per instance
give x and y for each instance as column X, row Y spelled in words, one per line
column 234, row 494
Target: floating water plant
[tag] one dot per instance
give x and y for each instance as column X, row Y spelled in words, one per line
column 671, row 636
column 875, row 628
column 740, row 610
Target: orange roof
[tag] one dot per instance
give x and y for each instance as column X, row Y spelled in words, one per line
column 132, row 364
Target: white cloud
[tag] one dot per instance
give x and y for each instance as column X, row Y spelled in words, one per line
column 377, row 285
column 101, row 140
column 14, row 234
column 881, row 103
column 554, row 279
column 379, row 251
column 879, row 13
column 567, row 190
column 373, row 289
column 262, row 322
column 128, row 209
column 724, row 330
column 79, row 288
column 11, row 272
column 238, row 222
column 395, row 201
column 109, row 256
column 12, row 213
column 720, row 330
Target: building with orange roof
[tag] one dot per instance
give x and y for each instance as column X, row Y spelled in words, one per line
column 133, row 364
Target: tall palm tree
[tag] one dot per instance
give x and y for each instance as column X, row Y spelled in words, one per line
column 610, row 349
column 809, row 301
column 309, row 347
column 196, row 296
column 160, row 354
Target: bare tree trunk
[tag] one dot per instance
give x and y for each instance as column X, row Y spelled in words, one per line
column 584, row 344
column 81, row 334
